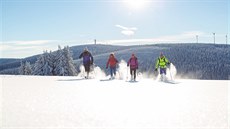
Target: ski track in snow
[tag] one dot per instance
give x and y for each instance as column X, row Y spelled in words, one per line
column 36, row 102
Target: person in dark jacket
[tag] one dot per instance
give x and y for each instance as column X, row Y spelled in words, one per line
column 133, row 63
column 87, row 61
column 112, row 63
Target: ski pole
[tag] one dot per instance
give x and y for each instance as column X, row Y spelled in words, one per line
column 127, row 73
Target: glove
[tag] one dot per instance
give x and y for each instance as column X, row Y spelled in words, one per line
column 106, row 67
column 91, row 62
column 168, row 64
column 137, row 67
column 155, row 69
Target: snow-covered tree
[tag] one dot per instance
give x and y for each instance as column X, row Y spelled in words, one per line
column 25, row 68
column 58, row 63
column 41, row 66
column 21, row 68
column 28, row 69
column 68, row 69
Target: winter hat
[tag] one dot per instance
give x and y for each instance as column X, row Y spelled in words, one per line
column 112, row 54
column 161, row 54
column 85, row 49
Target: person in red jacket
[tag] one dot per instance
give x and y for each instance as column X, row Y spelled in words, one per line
column 112, row 64
column 133, row 63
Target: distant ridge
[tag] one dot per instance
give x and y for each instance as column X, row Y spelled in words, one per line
column 197, row 61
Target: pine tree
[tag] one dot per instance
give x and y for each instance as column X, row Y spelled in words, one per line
column 59, row 63
column 25, row 68
column 41, row 66
column 69, row 69
column 22, row 68
column 52, row 62
column 28, row 69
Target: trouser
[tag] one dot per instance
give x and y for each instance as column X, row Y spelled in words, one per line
column 133, row 72
column 112, row 71
column 163, row 71
column 87, row 68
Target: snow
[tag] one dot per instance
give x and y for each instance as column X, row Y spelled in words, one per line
column 38, row 102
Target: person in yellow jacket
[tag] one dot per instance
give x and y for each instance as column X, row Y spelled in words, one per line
column 162, row 63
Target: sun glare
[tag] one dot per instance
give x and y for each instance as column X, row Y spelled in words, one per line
column 135, row 4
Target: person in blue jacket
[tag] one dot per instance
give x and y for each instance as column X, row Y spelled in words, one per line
column 87, row 61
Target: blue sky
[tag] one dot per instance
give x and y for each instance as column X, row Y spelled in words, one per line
column 30, row 26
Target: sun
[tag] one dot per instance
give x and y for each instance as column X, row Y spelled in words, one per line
column 135, row 4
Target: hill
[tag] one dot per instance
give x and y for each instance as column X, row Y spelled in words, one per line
column 197, row 61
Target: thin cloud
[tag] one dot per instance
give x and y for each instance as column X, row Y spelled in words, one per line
column 29, row 43
column 128, row 31
column 23, row 49
column 185, row 37
column 192, row 33
column 126, row 28
column 4, row 47
column 16, row 49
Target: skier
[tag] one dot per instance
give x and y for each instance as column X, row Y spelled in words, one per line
column 87, row 61
column 162, row 62
column 112, row 63
column 133, row 66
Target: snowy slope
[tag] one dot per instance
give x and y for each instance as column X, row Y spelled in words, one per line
column 197, row 61
column 38, row 102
